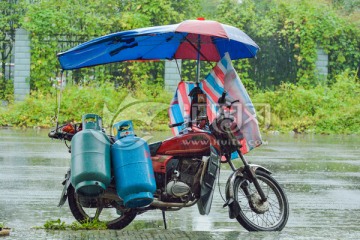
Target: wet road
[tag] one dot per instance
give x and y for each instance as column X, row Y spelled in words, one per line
column 320, row 174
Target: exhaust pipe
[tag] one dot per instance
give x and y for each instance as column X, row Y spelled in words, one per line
column 160, row 204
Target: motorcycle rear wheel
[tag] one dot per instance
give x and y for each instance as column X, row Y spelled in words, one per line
column 118, row 220
column 255, row 215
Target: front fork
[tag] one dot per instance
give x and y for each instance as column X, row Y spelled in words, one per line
column 252, row 177
column 248, row 172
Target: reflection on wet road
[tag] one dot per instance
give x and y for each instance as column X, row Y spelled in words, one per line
column 320, row 174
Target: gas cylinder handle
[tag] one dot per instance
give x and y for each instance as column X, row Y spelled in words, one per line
column 96, row 125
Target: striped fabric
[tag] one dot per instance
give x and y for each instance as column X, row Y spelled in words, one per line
column 222, row 76
column 179, row 110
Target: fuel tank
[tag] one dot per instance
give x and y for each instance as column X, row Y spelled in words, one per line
column 134, row 174
column 188, row 144
column 90, row 158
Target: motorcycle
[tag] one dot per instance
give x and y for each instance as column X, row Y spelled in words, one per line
column 185, row 174
column 113, row 178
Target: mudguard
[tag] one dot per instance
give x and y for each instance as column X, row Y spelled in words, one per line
column 208, row 181
column 234, row 207
column 66, row 184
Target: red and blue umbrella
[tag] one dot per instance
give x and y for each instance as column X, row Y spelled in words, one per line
column 203, row 40
column 200, row 40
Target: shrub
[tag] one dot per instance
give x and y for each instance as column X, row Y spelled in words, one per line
column 40, row 110
column 321, row 109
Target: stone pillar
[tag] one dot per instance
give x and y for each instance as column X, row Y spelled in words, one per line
column 22, row 64
column 172, row 75
column 322, row 63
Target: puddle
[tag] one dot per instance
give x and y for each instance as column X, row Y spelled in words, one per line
column 320, row 175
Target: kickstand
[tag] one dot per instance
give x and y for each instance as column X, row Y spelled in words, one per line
column 164, row 218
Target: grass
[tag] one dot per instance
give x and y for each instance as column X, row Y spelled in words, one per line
column 85, row 225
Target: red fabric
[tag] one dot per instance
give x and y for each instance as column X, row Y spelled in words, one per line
column 219, row 74
column 187, row 51
column 204, row 27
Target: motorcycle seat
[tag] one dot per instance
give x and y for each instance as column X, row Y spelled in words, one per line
column 154, row 147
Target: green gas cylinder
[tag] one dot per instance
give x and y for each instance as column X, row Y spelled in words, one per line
column 90, row 158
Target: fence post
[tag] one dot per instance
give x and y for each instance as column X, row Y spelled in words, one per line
column 172, row 75
column 22, row 64
column 322, row 63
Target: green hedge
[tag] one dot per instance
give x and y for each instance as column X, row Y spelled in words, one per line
column 39, row 109
column 321, row 109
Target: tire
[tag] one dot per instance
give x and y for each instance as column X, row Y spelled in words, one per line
column 256, row 216
column 81, row 215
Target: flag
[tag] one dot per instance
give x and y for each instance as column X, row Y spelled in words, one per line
column 179, row 110
column 222, row 77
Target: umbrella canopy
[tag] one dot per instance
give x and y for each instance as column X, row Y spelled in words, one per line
column 191, row 39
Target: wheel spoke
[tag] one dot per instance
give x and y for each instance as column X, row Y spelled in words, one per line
column 254, row 215
column 102, row 209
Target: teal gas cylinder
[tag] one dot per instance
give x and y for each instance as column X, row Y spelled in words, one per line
column 133, row 171
column 90, row 158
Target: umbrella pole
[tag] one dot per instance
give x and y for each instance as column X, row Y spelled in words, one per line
column 198, row 71
column 198, row 62
column 59, row 99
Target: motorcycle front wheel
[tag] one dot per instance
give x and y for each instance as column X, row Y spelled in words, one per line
column 256, row 215
column 100, row 211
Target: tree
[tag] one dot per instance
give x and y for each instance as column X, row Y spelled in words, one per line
column 288, row 33
column 347, row 5
column 54, row 28
column 10, row 12
column 349, row 9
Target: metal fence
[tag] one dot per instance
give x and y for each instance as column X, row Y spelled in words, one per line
column 274, row 64
column 7, row 57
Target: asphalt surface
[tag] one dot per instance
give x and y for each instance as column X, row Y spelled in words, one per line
column 320, row 174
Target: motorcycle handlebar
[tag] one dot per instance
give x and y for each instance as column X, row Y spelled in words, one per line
column 54, row 134
column 234, row 102
column 59, row 135
column 176, row 124
column 222, row 100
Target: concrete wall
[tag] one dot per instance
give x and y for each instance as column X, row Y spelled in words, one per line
column 322, row 62
column 22, row 65
column 172, row 75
